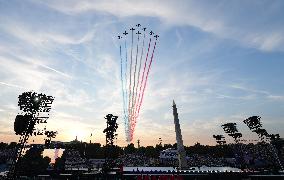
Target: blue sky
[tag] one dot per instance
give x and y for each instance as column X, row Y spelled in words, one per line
column 222, row 61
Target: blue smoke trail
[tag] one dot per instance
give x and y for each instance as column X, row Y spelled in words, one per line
column 126, row 121
column 122, row 83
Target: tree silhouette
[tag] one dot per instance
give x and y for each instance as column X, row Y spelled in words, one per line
column 253, row 122
column 110, row 136
column 231, row 130
column 130, row 149
column 255, row 125
column 262, row 133
column 220, row 139
column 35, row 108
column 49, row 136
column 110, row 129
column 33, row 163
column 274, row 137
column 236, row 136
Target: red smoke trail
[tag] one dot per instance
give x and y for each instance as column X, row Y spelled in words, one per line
column 138, row 79
column 130, row 80
column 134, row 80
column 140, row 89
column 56, row 153
column 145, row 83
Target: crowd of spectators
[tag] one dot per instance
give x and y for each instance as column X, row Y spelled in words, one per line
column 6, row 155
column 260, row 155
column 206, row 160
column 134, row 160
column 74, row 160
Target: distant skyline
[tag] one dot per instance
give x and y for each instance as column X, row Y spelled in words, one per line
column 221, row 61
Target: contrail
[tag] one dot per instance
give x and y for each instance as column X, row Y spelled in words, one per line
column 54, row 70
column 12, row 85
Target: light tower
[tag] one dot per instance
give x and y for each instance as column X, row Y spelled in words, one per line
column 138, row 142
column 180, row 147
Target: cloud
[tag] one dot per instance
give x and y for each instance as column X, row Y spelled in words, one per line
column 43, row 71
column 266, row 94
column 267, row 42
column 220, row 19
column 179, row 38
column 240, row 87
column 70, row 56
column 276, row 97
column 5, row 133
column 45, row 37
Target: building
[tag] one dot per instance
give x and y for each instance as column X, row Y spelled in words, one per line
column 180, row 147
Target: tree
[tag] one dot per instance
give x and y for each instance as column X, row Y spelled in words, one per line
column 262, row 133
column 35, row 108
column 231, row 130
column 253, row 122
column 110, row 131
column 3, row 145
column 130, row 149
column 166, row 146
column 60, row 162
column 158, row 149
column 255, row 125
column 12, row 145
column 220, row 139
column 150, row 151
column 94, row 150
column 33, row 163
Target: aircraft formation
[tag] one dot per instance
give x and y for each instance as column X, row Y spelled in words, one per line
column 136, row 49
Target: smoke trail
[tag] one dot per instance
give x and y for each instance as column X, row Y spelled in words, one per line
column 138, row 80
column 134, row 79
column 122, row 84
column 56, row 151
column 122, row 89
column 145, row 83
column 141, row 84
column 130, row 80
column 126, row 95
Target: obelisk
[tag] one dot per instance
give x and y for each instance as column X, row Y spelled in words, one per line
column 180, row 147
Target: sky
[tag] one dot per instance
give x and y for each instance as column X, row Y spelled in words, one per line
column 221, row 61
